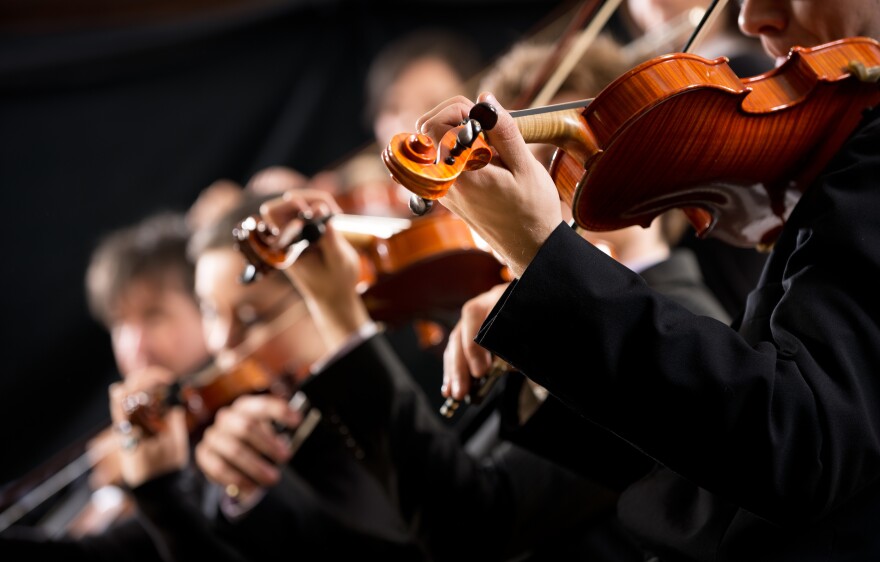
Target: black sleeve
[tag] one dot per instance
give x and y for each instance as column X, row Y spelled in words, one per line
column 557, row 433
column 780, row 418
column 179, row 528
column 510, row 500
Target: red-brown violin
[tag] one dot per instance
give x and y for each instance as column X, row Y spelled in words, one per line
column 679, row 131
column 202, row 395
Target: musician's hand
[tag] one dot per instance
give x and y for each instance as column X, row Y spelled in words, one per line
column 463, row 358
column 512, row 203
column 143, row 458
column 328, row 272
column 242, row 448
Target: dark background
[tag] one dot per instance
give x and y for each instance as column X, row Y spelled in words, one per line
column 111, row 110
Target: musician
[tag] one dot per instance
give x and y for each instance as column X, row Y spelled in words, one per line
column 730, row 272
column 525, row 411
column 321, row 501
column 443, row 493
column 764, row 434
column 139, row 286
column 413, row 72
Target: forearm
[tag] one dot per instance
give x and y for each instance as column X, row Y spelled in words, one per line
column 338, row 319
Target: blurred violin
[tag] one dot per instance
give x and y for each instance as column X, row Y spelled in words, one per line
column 421, row 268
column 734, row 154
column 425, row 268
column 205, row 392
column 201, row 396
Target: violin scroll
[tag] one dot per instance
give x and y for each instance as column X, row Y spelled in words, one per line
column 428, row 171
column 261, row 251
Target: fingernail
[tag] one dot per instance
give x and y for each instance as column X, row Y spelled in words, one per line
column 456, row 388
column 443, row 389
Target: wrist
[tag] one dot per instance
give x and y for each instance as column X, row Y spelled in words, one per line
column 339, row 319
column 521, row 255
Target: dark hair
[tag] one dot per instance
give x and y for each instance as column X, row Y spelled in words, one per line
column 218, row 234
column 459, row 52
column 152, row 250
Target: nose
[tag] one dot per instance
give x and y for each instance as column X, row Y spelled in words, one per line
column 762, row 17
column 130, row 348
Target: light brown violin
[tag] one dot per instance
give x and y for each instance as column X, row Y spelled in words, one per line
column 425, row 268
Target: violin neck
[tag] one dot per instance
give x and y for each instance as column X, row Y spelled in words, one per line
column 564, row 128
column 361, row 230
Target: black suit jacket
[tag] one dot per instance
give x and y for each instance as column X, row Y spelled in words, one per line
column 327, row 506
column 510, row 503
column 770, row 435
column 609, row 460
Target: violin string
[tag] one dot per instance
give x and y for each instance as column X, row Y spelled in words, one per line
column 579, row 104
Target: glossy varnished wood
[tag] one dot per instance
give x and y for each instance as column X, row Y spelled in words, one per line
column 683, row 131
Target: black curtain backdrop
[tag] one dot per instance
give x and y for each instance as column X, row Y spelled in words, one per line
column 100, row 127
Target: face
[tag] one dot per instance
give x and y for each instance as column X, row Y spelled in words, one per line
column 157, row 324
column 265, row 317
column 420, row 87
column 782, row 24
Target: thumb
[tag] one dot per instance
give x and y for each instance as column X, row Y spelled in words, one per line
column 505, row 137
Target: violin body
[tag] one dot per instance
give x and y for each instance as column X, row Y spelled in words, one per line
column 716, row 145
column 681, row 131
column 427, row 271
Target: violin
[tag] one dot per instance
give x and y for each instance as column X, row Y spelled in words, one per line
column 201, row 396
column 203, row 393
column 424, row 268
column 779, row 130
